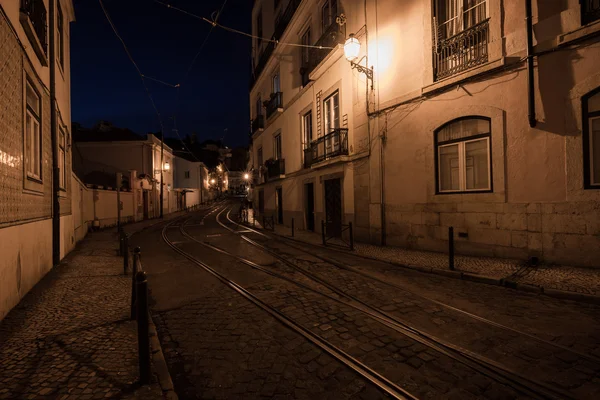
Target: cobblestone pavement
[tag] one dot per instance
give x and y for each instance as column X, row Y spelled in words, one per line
column 70, row 337
column 562, row 277
column 219, row 345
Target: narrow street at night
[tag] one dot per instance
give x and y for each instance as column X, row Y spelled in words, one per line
column 245, row 313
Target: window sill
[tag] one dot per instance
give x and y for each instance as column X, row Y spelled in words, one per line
column 465, row 192
column 33, row 39
column 330, row 161
column 579, row 34
column 456, row 79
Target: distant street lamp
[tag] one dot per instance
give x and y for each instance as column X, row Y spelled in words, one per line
column 246, row 176
column 212, row 181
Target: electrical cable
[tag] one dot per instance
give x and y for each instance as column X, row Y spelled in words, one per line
column 214, row 23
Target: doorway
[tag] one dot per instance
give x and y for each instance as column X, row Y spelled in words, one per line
column 333, row 207
column 309, row 189
column 279, row 205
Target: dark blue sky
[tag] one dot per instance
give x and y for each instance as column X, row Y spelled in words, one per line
column 163, row 42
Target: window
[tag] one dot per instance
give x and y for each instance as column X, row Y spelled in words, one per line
column 277, row 147
column 307, row 129
column 187, row 174
column 258, row 106
column 259, row 156
column 33, row 134
column 276, row 83
column 463, row 158
column 331, row 107
column 591, row 139
column 328, row 14
column 60, row 36
column 62, row 159
column 305, row 42
column 460, row 34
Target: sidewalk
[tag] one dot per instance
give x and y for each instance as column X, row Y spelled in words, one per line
column 71, row 337
column 577, row 283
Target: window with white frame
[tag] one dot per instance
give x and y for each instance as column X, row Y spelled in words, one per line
column 307, row 130
column 33, row 133
column 454, row 16
column 277, row 147
column 591, row 139
column 62, row 159
column 331, row 106
column 463, row 156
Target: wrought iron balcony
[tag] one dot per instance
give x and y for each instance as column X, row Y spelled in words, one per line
column 258, row 124
column 334, row 144
column 275, row 168
column 35, row 12
column 590, row 11
column 460, row 52
column 333, row 35
column 275, row 104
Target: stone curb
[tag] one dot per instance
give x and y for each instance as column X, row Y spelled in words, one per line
column 160, row 364
column 488, row 280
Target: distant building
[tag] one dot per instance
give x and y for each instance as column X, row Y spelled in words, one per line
column 409, row 117
column 191, row 180
column 104, row 150
column 36, row 219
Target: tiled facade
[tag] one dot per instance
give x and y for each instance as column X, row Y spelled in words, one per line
column 26, row 204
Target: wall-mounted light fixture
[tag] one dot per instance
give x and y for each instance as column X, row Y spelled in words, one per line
column 167, row 166
column 351, row 51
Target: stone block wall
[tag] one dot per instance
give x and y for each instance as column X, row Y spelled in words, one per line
column 565, row 233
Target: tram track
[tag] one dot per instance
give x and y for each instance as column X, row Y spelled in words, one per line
column 363, row 370
column 482, row 364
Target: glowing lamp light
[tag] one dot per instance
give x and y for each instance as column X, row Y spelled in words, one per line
column 167, row 166
column 212, row 181
column 246, row 176
column 351, row 48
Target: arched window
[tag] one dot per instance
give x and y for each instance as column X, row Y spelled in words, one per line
column 463, row 156
column 591, row 139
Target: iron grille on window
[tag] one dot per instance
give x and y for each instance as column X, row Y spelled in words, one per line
column 36, row 11
column 460, row 37
column 590, row 11
column 275, row 168
column 334, row 144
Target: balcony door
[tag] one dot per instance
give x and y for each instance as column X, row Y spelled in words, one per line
column 277, row 147
column 331, row 108
column 276, row 83
column 307, row 137
column 328, row 14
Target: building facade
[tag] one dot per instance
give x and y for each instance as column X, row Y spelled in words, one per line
column 109, row 153
column 191, row 181
column 36, row 228
column 451, row 113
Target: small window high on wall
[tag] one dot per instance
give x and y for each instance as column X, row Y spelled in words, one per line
column 591, row 139
column 463, row 156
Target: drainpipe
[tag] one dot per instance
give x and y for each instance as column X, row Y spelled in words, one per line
column 54, row 140
column 530, row 83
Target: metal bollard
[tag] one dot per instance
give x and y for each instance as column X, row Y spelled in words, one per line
column 351, row 236
column 120, row 242
column 142, row 327
column 292, row 227
column 134, row 270
column 451, row 248
column 323, row 231
column 125, row 254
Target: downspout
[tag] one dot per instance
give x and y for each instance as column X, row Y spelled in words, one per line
column 530, row 83
column 54, row 140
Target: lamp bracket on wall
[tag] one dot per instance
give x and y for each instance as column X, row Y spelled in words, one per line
column 365, row 70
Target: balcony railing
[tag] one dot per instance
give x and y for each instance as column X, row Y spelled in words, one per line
column 275, row 168
column 262, row 61
column 258, row 123
column 334, row 144
column 35, row 10
column 333, row 35
column 275, row 104
column 462, row 51
column 590, row 11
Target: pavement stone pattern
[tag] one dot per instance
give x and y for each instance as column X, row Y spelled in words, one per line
column 561, row 277
column 70, row 337
column 224, row 347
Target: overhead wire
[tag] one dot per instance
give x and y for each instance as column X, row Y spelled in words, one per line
column 214, row 23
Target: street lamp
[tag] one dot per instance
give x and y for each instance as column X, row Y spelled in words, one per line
column 167, row 167
column 246, row 176
column 212, row 181
column 351, row 51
